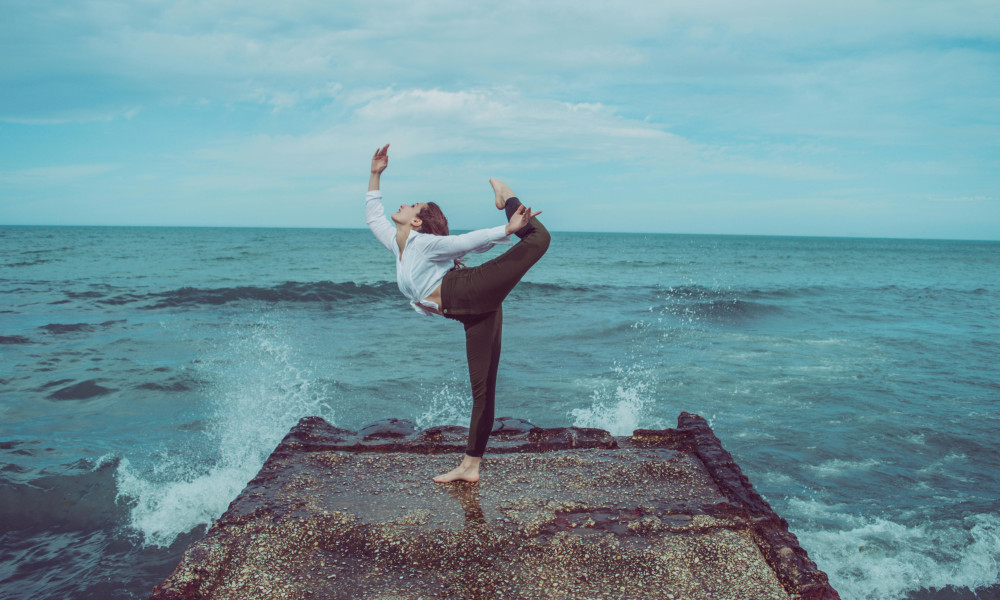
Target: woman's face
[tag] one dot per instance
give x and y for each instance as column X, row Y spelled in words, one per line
column 407, row 212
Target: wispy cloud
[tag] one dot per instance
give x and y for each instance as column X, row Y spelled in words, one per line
column 964, row 199
column 73, row 117
column 54, row 175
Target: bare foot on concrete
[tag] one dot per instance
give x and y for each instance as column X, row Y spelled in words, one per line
column 502, row 191
column 468, row 470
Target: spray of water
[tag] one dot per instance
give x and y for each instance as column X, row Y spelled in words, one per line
column 623, row 404
column 258, row 392
column 449, row 405
column 874, row 558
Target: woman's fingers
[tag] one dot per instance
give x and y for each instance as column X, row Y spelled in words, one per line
column 526, row 214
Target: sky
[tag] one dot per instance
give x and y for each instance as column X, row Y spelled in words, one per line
column 869, row 118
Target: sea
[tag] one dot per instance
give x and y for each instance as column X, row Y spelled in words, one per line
column 146, row 373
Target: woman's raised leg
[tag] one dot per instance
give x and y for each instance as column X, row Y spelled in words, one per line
column 508, row 202
column 482, row 289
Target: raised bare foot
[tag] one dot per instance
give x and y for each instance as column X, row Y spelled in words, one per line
column 467, row 471
column 503, row 191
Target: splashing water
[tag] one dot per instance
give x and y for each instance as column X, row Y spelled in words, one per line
column 622, row 406
column 258, row 393
column 450, row 405
column 874, row 558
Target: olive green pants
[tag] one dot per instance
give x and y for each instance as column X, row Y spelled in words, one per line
column 474, row 297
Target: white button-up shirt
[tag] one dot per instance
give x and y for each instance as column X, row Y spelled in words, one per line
column 420, row 269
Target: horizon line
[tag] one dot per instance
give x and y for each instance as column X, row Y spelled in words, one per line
column 770, row 235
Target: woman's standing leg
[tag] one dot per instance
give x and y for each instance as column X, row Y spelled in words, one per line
column 483, row 335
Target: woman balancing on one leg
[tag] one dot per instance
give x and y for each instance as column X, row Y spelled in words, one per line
column 427, row 273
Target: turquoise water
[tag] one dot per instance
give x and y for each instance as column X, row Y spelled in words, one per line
column 145, row 374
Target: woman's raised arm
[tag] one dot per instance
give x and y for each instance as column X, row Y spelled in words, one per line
column 379, row 162
column 384, row 232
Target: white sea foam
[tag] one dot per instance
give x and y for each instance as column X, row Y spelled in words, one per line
column 165, row 509
column 258, row 393
column 622, row 405
column 838, row 467
column 942, row 467
column 874, row 558
column 450, row 405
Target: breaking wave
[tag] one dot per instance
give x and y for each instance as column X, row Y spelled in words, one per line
column 878, row 558
column 259, row 390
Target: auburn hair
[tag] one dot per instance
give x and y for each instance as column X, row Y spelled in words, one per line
column 434, row 222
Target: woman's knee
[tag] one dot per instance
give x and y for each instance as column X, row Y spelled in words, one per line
column 540, row 238
column 546, row 239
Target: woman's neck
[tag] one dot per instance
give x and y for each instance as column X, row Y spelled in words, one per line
column 402, row 234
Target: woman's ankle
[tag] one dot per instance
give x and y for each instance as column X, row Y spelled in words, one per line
column 511, row 206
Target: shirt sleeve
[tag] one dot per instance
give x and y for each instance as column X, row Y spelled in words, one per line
column 384, row 232
column 456, row 246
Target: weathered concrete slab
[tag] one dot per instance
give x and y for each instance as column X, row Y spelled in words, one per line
column 560, row 513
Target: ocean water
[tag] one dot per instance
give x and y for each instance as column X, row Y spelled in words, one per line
column 146, row 373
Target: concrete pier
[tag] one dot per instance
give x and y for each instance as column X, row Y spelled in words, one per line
column 568, row 513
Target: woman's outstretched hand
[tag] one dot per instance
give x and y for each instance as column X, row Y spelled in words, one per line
column 381, row 160
column 520, row 218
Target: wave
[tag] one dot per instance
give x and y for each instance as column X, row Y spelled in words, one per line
column 61, row 328
column 259, row 388
column 82, row 500
column 28, row 263
column 839, row 467
column 728, row 311
column 83, row 295
column 558, row 288
column 291, row 291
column 696, row 303
column 877, row 558
column 14, row 339
column 700, row 292
column 170, row 386
column 702, row 301
column 62, row 537
column 722, row 310
column 84, row 390
column 182, row 382
column 321, row 292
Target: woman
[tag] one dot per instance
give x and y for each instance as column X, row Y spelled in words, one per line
column 428, row 273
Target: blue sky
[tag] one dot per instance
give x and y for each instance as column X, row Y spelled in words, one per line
column 854, row 118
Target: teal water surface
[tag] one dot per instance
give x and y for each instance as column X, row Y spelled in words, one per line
column 146, row 373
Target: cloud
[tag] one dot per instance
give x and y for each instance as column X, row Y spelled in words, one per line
column 55, row 175
column 474, row 121
column 74, row 116
column 963, row 199
column 503, row 119
column 728, row 60
column 502, row 124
